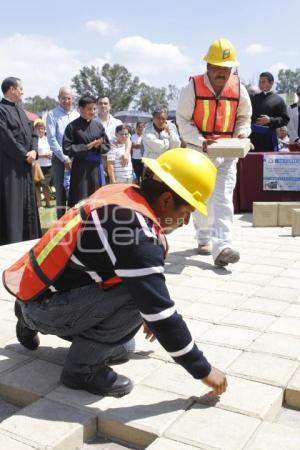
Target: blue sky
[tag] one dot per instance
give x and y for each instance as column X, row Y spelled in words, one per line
column 46, row 43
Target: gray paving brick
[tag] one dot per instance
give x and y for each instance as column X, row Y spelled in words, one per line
column 230, row 336
column 49, row 425
column 275, row 436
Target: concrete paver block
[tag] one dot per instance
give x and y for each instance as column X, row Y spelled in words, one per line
column 8, row 330
column 288, row 417
column 249, row 397
column 29, row 382
column 197, row 327
column 167, row 444
column 7, row 310
column 9, row 360
column 263, row 305
column 205, row 311
column 151, row 349
column 292, row 393
column 142, row 416
column 222, row 298
column 277, row 344
column 256, row 366
column 218, row 356
column 274, row 436
column 286, row 282
column 286, row 325
column 174, row 378
column 265, row 268
column 254, row 321
column 285, row 213
column 291, row 311
column 213, row 428
column 8, row 443
column 277, row 293
column 265, row 214
column 230, row 336
column 50, row 425
column 295, row 222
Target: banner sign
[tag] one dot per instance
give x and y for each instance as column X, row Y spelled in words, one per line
column 281, row 172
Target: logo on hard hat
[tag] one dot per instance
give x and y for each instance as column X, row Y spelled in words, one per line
column 226, row 53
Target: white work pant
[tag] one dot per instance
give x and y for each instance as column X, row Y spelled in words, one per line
column 217, row 226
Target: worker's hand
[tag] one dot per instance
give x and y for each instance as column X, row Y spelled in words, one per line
column 68, row 164
column 216, row 379
column 30, row 156
column 148, row 333
column 263, row 119
column 207, row 142
column 98, row 143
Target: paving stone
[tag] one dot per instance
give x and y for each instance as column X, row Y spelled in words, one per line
column 288, row 417
column 50, row 425
column 222, row 298
column 167, row 444
column 259, row 279
column 9, row 360
column 9, row 443
column 8, row 330
column 213, row 428
column 151, row 349
column 142, row 416
column 290, row 273
column 292, row 393
column 242, row 288
column 263, row 305
column 187, row 292
column 286, row 325
column 291, row 311
column 254, row 399
column 254, row 321
column 286, row 282
column 205, row 311
column 230, row 336
column 256, row 366
column 4, row 294
column 100, row 443
column 7, row 310
column 266, row 269
column 6, row 410
column 174, row 378
column 277, row 344
column 274, row 436
column 138, row 368
column 29, row 382
column 202, row 282
column 217, row 355
column 277, row 293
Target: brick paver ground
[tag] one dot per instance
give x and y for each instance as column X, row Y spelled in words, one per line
column 245, row 318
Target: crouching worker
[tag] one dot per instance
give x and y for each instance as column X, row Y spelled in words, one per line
column 97, row 275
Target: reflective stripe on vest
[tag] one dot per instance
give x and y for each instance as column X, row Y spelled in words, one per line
column 36, row 271
column 215, row 116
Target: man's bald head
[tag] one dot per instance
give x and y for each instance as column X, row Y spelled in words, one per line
column 65, row 98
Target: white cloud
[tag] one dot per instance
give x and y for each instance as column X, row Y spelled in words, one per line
column 40, row 62
column 254, row 49
column 274, row 69
column 101, row 27
column 146, row 58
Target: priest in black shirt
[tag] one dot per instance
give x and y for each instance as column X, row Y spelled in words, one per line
column 19, row 220
column 269, row 112
column 85, row 141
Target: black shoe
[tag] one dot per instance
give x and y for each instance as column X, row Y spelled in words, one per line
column 27, row 337
column 106, row 382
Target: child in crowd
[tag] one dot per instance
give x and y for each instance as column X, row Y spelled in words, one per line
column 283, row 139
column 137, row 150
column 45, row 163
column 117, row 172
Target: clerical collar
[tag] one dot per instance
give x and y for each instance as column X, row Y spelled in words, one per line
column 8, row 100
column 267, row 92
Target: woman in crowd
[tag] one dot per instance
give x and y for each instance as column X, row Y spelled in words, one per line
column 159, row 134
column 117, row 172
column 44, row 160
column 137, row 151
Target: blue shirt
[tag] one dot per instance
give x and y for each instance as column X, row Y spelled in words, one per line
column 56, row 122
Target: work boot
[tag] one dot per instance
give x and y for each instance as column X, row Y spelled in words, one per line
column 227, row 256
column 27, row 337
column 204, row 249
column 105, row 382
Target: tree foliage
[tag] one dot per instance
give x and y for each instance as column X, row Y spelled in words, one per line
column 38, row 104
column 288, row 80
column 123, row 89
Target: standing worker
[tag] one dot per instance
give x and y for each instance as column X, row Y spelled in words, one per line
column 98, row 274
column 213, row 106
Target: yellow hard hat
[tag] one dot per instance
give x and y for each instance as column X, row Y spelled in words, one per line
column 221, row 53
column 187, row 172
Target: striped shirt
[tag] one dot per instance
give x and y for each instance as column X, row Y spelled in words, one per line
column 119, row 241
column 115, row 154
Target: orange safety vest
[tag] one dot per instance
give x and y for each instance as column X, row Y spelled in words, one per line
column 215, row 116
column 36, row 271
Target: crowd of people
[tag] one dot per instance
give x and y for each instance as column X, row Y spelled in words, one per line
column 98, row 272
